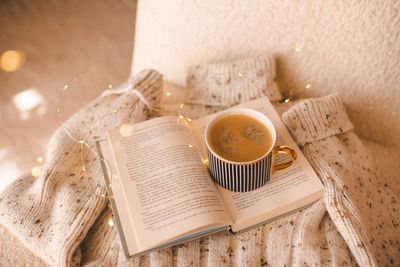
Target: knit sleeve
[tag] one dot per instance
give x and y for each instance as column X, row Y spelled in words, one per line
column 231, row 83
column 52, row 214
column 315, row 119
column 363, row 209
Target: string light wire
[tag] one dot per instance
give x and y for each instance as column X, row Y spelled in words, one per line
column 83, row 144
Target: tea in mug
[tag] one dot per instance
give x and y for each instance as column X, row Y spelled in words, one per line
column 240, row 138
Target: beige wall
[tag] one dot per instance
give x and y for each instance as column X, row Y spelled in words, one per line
column 349, row 46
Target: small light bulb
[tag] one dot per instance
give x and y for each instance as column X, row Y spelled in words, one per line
column 83, row 168
column 287, row 100
column 298, row 49
column 36, row 171
column 205, row 162
column 111, row 222
column 81, row 141
column 308, row 86
column 65, row 87
column 189, row 119
column 168, row 93
column 126, row 129
column 190, row 145
column 240, row 74
column 110, row 86
column 39, row 159
column 180, row 117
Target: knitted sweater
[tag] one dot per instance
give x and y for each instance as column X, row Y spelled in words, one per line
column 63, row 219
column 52, row 214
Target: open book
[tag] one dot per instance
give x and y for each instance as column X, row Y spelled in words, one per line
column 163, row 193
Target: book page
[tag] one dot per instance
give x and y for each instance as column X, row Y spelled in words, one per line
column 287, row 189
column 120, row 208
column 169, row 190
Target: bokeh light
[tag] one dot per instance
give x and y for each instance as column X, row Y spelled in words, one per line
column 126, row 129
column 12, row 60
column 28, row 100
column 36, row 171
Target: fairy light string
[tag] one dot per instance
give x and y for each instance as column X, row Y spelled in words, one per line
column 290, row 95
column 126, row 127
column 81, row 141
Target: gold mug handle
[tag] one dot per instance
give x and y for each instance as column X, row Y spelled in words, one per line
column 287, row 150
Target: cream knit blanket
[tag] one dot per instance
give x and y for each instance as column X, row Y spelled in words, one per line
column 63, row 218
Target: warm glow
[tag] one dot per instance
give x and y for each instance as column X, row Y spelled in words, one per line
column 12, row 60
column 28, row 99
column 189, row 119
column 180, row 117
column 298, row 49
column 111, row 222
column 110, row 86
column 287, row 100
column 168, row 93
column 190, row 145
column 308, row 86
column 114, row 111
column 126, row 129
column 39, row 159
column 36, row 171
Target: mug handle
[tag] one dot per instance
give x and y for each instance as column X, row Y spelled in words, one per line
column 287, row 150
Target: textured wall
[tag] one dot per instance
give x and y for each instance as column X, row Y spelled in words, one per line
column 352, row 46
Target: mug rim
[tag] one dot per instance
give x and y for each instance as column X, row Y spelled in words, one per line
column 241, row 111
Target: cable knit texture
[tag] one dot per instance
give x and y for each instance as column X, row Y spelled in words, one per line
column 306, row 124
column 362, row 208
column 337, row 230
column 234, row 82
column 61, row 217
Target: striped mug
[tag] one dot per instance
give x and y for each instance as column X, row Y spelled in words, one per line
column 245, row 176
